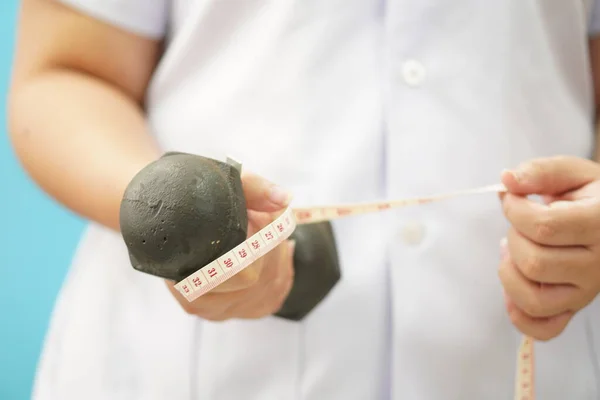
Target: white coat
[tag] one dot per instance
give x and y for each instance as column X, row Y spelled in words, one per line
column 344, row 101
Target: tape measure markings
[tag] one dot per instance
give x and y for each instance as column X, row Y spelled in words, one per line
column 525, row 379
column 328, row 213
column 240, row 257
column 232, row 262
column 259, row 244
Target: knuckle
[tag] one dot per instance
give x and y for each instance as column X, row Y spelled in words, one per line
column 523, row 324
column 544, row 228
column 214, row 315
column 533, row 267
column 584, row 298
column 273, row 307
column 537, row 167
column 502, row 274
column 257, row 313
column 546, row 334
column 541, row 336
column 275, row 310
column 534, row 307
column 247, row 277
column 281, row 301
column 277, row 304
column 207, row 310
column 517, row 318
column 188, row 309
column 532, row 304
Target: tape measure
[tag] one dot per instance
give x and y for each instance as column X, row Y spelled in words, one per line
column 524, row 382
column 259, row 244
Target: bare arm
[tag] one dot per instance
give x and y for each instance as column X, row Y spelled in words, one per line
column 75, row 107
column 595, row 64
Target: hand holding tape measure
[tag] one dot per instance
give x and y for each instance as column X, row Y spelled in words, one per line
column 184, row 218
column 260, row 289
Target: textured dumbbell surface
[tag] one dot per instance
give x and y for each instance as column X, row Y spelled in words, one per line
column 184, row 211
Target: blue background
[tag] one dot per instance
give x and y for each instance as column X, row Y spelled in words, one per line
column 37, row 240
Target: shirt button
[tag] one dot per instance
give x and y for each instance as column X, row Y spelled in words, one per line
column 413, row 72
column 413, row 233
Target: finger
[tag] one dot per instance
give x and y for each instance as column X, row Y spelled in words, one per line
column 551, row 265
column 589, row 191
column 204, row 307
column 244, row 279
column 560, row 223
column 257, row 220
column 545, row 199
column 536, row 300
column 208, row 306
column 185, row 305
column 542, row 329
column 226, row 305
column 262, row 195
column 550, row 176
column 272, row 294
column 219, row 306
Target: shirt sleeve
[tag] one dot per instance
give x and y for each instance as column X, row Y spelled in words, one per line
column 142, row 17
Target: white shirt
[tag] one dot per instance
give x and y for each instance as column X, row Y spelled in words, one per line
column 343, row 101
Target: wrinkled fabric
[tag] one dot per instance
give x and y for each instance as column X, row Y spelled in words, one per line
column 345, row 101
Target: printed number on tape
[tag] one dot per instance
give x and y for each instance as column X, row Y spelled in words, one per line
column 226, row 266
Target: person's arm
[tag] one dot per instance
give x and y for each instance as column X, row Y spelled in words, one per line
column 594, row 47
column 75, row 110
column 78, row 127
column 594, row 54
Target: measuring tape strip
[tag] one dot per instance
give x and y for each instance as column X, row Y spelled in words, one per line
column 259, row 244
column 524, row 382
column 232, row 262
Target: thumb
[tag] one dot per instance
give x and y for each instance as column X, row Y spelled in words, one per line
column 262, row 195
column 550, row 176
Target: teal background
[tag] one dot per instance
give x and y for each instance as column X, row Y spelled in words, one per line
column 37, row 240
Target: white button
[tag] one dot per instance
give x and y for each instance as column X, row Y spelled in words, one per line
column 414, row 72
column 413, row 233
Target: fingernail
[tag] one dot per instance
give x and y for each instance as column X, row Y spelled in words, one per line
column 279, row 196
column 521, row 174
column 516, row 175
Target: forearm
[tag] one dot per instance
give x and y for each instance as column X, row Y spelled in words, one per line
column 597, row 142
column 80, row 140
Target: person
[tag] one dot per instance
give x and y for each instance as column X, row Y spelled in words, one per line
column 335, row 102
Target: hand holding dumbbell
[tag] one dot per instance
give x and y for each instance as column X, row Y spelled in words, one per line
column 183, row 211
